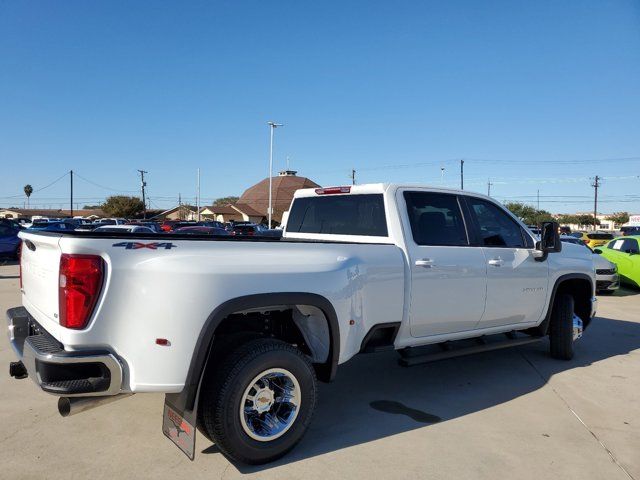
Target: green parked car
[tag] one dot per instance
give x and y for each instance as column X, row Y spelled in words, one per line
column 625, row 253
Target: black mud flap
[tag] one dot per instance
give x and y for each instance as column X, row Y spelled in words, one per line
column 179, row 425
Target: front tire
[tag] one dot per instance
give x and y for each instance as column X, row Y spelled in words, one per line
column 259, row 403
column 561, row 328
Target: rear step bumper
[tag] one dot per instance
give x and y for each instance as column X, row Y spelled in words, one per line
column 56, row 370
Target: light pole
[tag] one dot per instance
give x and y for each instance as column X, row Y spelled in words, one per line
column 272, row 127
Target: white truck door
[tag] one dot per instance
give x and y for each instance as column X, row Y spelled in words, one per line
column 448, row 276
column 516, row 283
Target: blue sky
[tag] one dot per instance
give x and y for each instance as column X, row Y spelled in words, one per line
column 533, row 95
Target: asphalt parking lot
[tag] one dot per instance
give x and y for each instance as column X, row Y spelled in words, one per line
column 507, row 414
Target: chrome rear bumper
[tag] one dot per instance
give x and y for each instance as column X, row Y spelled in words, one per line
column 58, row 371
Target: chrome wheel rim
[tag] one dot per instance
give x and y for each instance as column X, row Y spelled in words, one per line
column 270, row 404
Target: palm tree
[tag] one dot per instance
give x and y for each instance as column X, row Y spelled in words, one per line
column 28, row 190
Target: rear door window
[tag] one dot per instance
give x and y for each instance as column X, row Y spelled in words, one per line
column 339, row 215
column 436, row 219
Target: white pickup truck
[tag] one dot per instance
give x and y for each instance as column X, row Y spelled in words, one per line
column 236, row 331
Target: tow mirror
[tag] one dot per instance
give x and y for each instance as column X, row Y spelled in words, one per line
column 549, row 240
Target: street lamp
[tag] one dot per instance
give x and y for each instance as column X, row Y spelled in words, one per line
column 272, row 127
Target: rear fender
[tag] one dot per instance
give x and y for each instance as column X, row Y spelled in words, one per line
column 185, row 402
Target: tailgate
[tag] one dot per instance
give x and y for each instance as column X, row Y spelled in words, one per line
column 40, row 263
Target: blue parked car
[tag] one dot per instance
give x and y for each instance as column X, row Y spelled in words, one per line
column 9, row 241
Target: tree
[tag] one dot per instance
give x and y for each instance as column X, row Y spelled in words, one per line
column 91, row 207
column 524, row 212
column 586, row 220
column 225, row 200
column 28, row 190
column 122, row 206
column 543, row 216
column 568, row 219
column 528, row 214
column 618, row 218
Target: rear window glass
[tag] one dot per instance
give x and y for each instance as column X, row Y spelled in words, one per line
column 600, row 236
column 7, row 230
column 339, row 215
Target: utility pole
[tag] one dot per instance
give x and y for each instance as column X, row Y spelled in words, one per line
column 441, row 175
column 461, row 174
column 71, row 199
column 144, row 202
column 489, row 184
column 353, row 176
column 198, row 199
column 595, row 185
column 538, row 196
column 272, row 127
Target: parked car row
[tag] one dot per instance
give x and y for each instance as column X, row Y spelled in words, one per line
column 120, row 225
column 624, row 252
column 607, row 279
column 616, row 259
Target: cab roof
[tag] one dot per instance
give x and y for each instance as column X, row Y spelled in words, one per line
column 377, row 188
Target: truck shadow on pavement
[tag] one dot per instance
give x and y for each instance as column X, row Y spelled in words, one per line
column 373, row 397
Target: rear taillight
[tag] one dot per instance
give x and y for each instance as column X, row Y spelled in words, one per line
column 78, row 289
column 20, row 262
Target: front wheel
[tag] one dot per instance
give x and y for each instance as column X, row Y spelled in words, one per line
column 561, row 334
column 259, row 403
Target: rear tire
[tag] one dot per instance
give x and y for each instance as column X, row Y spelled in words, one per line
column 247, row 405
column 561, row 328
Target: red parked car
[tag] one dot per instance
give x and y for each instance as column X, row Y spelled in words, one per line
column 167, row 225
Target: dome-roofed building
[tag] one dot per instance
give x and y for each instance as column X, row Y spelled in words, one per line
column 282, row 190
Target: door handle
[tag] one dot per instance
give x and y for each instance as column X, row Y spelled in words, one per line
column 496, row 262
column 424, row 262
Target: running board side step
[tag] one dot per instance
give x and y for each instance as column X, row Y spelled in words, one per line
column 410, row 356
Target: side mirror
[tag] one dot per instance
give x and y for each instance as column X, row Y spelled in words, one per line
column 632, row 251
column 549, row 240
column 597, row 250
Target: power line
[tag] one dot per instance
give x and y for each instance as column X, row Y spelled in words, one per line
column 102, row 186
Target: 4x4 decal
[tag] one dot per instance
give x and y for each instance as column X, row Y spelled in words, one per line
column 150, row 246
